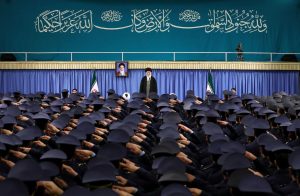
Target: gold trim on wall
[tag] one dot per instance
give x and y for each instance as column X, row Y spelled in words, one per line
column 153, row 64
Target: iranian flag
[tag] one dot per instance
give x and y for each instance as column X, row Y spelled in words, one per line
column 94, row 83
column 210, row 85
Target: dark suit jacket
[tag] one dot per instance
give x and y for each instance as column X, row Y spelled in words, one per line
column 143, row 85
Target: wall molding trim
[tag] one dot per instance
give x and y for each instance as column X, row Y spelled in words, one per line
column 45, row 65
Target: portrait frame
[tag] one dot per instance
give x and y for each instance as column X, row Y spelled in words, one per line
column 119, row 71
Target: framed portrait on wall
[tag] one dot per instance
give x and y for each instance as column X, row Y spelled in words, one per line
column 121, row 68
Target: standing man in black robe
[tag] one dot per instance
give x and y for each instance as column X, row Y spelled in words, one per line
column 148, row 83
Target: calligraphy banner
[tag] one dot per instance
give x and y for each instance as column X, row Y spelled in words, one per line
column 157, row 20
column 156, row 26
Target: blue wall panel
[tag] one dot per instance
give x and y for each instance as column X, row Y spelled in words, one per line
column 262, row 83
column 155, row 26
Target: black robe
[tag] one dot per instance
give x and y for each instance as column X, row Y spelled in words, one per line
column 143, row 85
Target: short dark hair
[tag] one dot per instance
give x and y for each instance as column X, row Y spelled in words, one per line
column 233, row 88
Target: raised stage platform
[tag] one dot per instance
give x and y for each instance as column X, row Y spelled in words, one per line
column 261, row 78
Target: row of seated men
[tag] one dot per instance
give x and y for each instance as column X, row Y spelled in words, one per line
column 157, row 145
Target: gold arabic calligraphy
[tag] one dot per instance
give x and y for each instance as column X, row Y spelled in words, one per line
column 145, row 21
column 226, row 21
column 157, row 20
column 65, row 21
